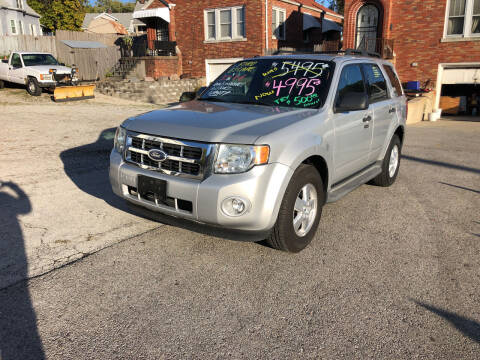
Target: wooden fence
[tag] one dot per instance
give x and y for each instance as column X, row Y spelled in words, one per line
column 92, row 63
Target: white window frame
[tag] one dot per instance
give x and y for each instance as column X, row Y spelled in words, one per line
column 277, row 23
column 14, row 23
column 19, row 4
column 218, row 38
column 467, row 24
column 33, row 30
column 21, row 26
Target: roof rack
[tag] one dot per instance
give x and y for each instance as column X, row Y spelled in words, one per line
column 351, row 52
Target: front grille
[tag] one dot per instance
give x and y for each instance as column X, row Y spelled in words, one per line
column 184, row 158
column 62, row 78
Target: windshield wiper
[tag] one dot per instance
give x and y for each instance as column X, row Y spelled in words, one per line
column 250, row 102
column 212, row 98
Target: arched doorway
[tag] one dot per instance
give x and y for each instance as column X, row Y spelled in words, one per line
column 368, row 28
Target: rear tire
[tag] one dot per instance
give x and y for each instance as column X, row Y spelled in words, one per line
column 300, row 211
column 390, row 164
column 33, row 88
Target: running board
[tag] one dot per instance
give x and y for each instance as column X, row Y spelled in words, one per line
column 343, row 188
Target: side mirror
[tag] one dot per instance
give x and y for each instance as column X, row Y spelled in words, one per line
column 352, row 101
column 201, row 90
column 188, row 96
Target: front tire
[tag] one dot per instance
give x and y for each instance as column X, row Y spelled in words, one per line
column 2, row 84
column 300, row 211
column 33, row 88
column 390, row 164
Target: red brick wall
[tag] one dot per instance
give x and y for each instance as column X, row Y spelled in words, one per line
column 190, row 33
column 160, row 66
column 417, row 29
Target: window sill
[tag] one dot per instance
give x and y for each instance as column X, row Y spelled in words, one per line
column 459, row 39
column 223, row 40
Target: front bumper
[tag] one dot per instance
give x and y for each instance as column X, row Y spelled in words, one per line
column 262, row 186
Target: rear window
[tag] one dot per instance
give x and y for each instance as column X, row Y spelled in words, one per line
column 397, row 86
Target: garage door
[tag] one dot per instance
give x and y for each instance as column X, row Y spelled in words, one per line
column 214, row 67
column 461, row 76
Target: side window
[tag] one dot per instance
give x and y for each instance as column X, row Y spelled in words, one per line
column 376, row 83
column 351, row 80
column 397, row 86
column 16, row 62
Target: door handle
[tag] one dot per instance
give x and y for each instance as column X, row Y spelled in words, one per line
column 392, row 110
column 367, row 118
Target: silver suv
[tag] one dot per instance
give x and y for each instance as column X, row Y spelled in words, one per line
column 266, row 145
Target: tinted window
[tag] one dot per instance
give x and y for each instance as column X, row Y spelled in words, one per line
column 351, row 80
column 376, row 83
column 274, row 82
column 397, row 86
column 16, row 62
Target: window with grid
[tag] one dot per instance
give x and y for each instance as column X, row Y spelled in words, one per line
column 463, row 18
column 225, row 24
column 278, row 23
column 13, row 27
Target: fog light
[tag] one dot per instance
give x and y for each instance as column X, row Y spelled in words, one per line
column 235, row 206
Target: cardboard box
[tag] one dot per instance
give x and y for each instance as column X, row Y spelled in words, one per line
column 450, row 105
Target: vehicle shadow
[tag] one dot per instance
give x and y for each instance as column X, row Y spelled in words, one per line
column 19, row 338
column 466, row 326
column 87, row 166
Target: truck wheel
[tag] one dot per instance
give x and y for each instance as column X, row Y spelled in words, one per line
column 300, row 211
column 390, row 164
column 2, row 84
column 33, row 88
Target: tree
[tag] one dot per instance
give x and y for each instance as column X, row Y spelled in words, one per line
column 114, row 5
column 337, row 5
column 59, row 14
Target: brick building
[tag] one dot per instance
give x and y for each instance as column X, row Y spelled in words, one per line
column 212, row 34
column 436, row 40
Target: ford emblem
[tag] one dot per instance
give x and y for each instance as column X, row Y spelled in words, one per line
column 157, row 155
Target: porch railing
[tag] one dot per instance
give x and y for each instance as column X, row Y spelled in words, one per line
column 140, row 47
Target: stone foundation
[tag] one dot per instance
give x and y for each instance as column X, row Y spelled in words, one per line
column 163, row 91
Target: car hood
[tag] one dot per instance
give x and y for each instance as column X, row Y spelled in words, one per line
column 43, row 69
column 216, row 122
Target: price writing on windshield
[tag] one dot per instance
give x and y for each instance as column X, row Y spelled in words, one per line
column 301, row 84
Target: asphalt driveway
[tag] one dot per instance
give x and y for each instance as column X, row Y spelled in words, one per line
column 392, row 273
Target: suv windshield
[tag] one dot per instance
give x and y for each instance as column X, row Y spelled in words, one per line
column 274, row 82
column 38, row 59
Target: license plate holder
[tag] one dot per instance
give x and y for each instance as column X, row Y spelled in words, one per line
column 148, row 185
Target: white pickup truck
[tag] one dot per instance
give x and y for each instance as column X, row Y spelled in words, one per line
column 36, row 70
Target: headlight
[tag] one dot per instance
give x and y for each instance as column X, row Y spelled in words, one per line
column 45, row 77
column 119, row 141
column 234, row 159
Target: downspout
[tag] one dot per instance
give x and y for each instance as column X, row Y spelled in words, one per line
column 266, row 26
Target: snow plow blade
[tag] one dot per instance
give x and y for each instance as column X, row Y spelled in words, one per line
column 72, row 93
